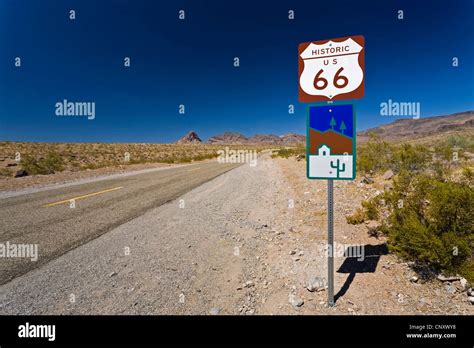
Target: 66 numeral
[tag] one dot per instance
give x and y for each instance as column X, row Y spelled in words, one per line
column 321, row 83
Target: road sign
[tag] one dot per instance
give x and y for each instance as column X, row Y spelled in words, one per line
column 331, row 69
column 331, row 150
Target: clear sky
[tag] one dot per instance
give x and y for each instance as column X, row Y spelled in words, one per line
column 190, row 62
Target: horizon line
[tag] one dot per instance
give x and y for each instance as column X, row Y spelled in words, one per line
column 236, row 132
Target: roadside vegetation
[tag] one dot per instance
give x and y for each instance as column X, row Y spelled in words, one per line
column 48, row 165
column 287, row 152
column 427, row 214
column 49, row 158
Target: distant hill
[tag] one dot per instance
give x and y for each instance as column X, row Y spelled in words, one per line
column 234, row 138
column 190, row 138
column 266, row 139
column 293, row 139
column 410, row 129
column 228, row 138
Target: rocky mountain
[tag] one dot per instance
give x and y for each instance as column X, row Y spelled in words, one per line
column 293, row 139
column 228, row 138
column 232, row 138
column 408, row 128
column 266, row 139
column 190, row 138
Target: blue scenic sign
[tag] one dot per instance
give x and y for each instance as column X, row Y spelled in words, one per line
column 330, row 147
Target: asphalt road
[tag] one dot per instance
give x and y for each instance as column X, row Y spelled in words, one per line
column 47, row 219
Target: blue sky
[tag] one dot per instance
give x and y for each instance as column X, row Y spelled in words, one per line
column 321, row 116
column 190, row 62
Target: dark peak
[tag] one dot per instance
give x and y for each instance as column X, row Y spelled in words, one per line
column 191, row 137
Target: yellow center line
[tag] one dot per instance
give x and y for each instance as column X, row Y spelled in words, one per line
column 190, row 170
column 81, row 197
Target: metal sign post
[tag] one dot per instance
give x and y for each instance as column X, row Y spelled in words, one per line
column 330, row 243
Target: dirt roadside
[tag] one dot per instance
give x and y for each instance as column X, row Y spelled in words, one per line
column 381, row 284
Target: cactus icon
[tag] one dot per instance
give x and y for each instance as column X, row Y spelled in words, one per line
column 338, row 167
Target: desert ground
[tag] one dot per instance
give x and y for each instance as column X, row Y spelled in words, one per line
column 239, row 239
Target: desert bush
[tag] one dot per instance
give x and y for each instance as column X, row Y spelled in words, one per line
column 357, row 217
column 30, row 164
column 378, row 156
column 444, row 151
column 50, row 164
column 184, row 159
column 467, row 176
column 439, row 170
column 5, row 172
column 368, row 211
column 431, row 222
column 200, row 157
column 464, row 142
column 375, row 156
column 288, row 152
column 414, row 158
column 371, row 208
column 454, row 146
column 427, row 221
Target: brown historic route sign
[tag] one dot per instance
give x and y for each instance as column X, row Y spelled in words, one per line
column 331, row 69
